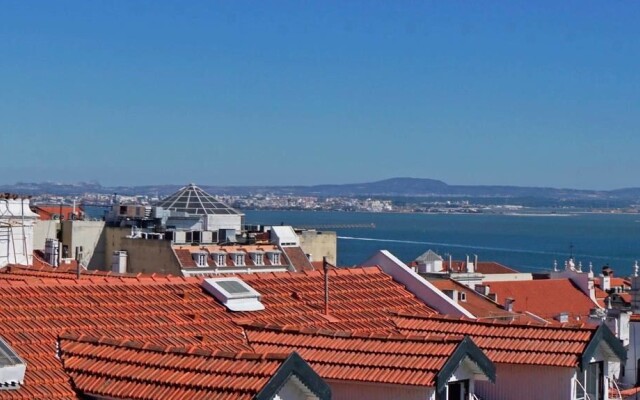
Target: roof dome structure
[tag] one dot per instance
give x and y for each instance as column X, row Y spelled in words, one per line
column 193, row 200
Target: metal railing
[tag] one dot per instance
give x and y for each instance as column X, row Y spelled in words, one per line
column 615, row 384
column 584, row 391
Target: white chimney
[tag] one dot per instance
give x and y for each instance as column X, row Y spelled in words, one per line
column 606, row 283
column 470, row 266
column 119, row 262
column 563, row 317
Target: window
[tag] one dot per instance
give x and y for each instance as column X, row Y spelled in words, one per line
column 219, row 259
column 238, row 259
column 274, row 258
column 258, row 258
column 462, row 296
column 590, row 383
column 458, row 390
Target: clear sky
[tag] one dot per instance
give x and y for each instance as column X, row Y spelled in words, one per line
column 309, row 92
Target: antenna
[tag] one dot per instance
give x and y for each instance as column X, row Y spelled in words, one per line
column 571, row 249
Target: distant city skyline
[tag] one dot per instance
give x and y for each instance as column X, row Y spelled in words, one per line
column 289, row 93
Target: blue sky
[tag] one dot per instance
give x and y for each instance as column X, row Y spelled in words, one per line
column 266, row 93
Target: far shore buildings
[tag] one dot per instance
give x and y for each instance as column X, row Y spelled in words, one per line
column 188, row 233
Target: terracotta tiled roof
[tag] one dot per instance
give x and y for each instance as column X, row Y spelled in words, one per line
column 47, row 213
column 298, row 259
column 65, row 271
column 184, row 258
column 488, row 267
column 166, row 311
column 474, row 302
column 509, row 343
column 545, row 298
column 42, row 303
column 360, row 299
column 146, row 371
column 334, row 355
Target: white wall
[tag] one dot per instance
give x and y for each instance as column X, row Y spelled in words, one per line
column 527, row 382
column 218, row 221
column 44, row 230
column 16, row 232
column 89, row 235
column 341, row 390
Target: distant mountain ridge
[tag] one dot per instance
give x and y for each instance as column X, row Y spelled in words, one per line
column 415, row 187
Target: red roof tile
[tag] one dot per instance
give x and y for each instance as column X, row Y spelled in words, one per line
column 481, row 307
column 335, row 355
column 298, row 259
column 111, row 369
column 509, row 343
column 360, row 299
column 489, row 267
column 545, row 298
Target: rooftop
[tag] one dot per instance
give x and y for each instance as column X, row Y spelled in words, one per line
column 195, row 201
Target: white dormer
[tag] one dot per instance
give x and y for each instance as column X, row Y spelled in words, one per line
column 274, row 257
column 219, row 259
column 257, row 257
column 238, row 258
column 200, row 258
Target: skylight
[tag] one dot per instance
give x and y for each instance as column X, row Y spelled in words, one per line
column 12, row 367
column 234, row 294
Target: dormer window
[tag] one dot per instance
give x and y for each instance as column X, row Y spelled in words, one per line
column 274, row 257
column 258, row 257
column 220, row 259
column 238, row 259
column 200, row 259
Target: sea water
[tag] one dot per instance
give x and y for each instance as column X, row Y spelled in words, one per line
column 527, row 243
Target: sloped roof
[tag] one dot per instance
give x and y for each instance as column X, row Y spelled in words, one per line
column 483, row 267
column 481, row 307
column 111, row 367
column 170, row 311
column 360, row 299
column 195, row 201
column 509, row 343
column 335, row 355
column 545, row 298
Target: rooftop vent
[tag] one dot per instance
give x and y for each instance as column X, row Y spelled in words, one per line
column 12, row 367
column 234, row 294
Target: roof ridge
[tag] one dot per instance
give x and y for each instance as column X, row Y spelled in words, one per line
column 349, row 334
column 513, row 323
column 197, row 351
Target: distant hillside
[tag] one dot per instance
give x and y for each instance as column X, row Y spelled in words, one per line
column 410, row 187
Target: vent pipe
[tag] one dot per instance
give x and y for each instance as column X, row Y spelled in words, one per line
column 325, row 268
column 78, row 258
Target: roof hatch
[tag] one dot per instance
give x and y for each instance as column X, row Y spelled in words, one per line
column 234, row 294
column 12, row 367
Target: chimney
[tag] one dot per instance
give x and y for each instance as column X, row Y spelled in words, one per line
column 119, row 262
column 563, row 317
column 606, row 283
column 450, row 263
column 508, row 304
